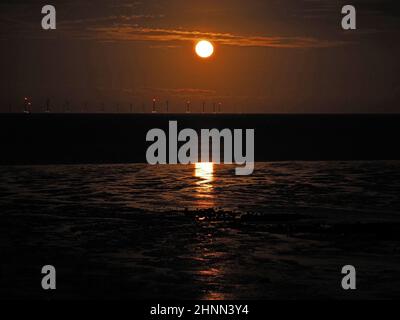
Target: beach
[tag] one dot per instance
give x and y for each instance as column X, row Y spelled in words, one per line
column 108, row 243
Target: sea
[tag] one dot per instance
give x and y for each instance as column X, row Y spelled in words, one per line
column 368, row 188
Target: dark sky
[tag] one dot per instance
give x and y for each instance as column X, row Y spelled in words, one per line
column 271, row 56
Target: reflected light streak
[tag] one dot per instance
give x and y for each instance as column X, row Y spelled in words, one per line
column 205, row 171
column 204, row 187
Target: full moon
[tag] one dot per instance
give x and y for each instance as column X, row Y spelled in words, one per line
column 204, row 49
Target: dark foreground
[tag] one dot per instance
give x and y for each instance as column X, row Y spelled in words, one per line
column 122, row 231
column 113, row 253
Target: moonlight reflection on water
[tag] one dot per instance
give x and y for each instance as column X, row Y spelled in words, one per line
column 204, row 171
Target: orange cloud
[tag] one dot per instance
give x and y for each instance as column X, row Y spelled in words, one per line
column 182, row 92
column 136, row 33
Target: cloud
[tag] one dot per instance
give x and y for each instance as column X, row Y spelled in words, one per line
column 110, row 19
column 178, row 92
column 160, row 35
column 120, row 23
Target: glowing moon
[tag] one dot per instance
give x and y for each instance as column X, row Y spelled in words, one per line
column 204, row 49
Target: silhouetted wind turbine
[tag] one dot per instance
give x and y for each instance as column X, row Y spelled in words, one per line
column 66, row 106
column 27, row 105
column 188, row 107
column 85, row 107
column 47, row 105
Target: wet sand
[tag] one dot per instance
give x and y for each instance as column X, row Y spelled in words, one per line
column 114, row 252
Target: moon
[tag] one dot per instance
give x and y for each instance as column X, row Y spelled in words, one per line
column 204, row 49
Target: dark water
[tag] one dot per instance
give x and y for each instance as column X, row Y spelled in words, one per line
column 187, row 232
column 362, row 187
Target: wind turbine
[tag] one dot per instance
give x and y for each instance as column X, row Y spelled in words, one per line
column 47, row 105
column 27, row 105
column 66, row 106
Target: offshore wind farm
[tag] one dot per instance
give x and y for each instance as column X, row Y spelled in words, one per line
column 157, row 106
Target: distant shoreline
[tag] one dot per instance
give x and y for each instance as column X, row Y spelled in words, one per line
column 47, row 138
